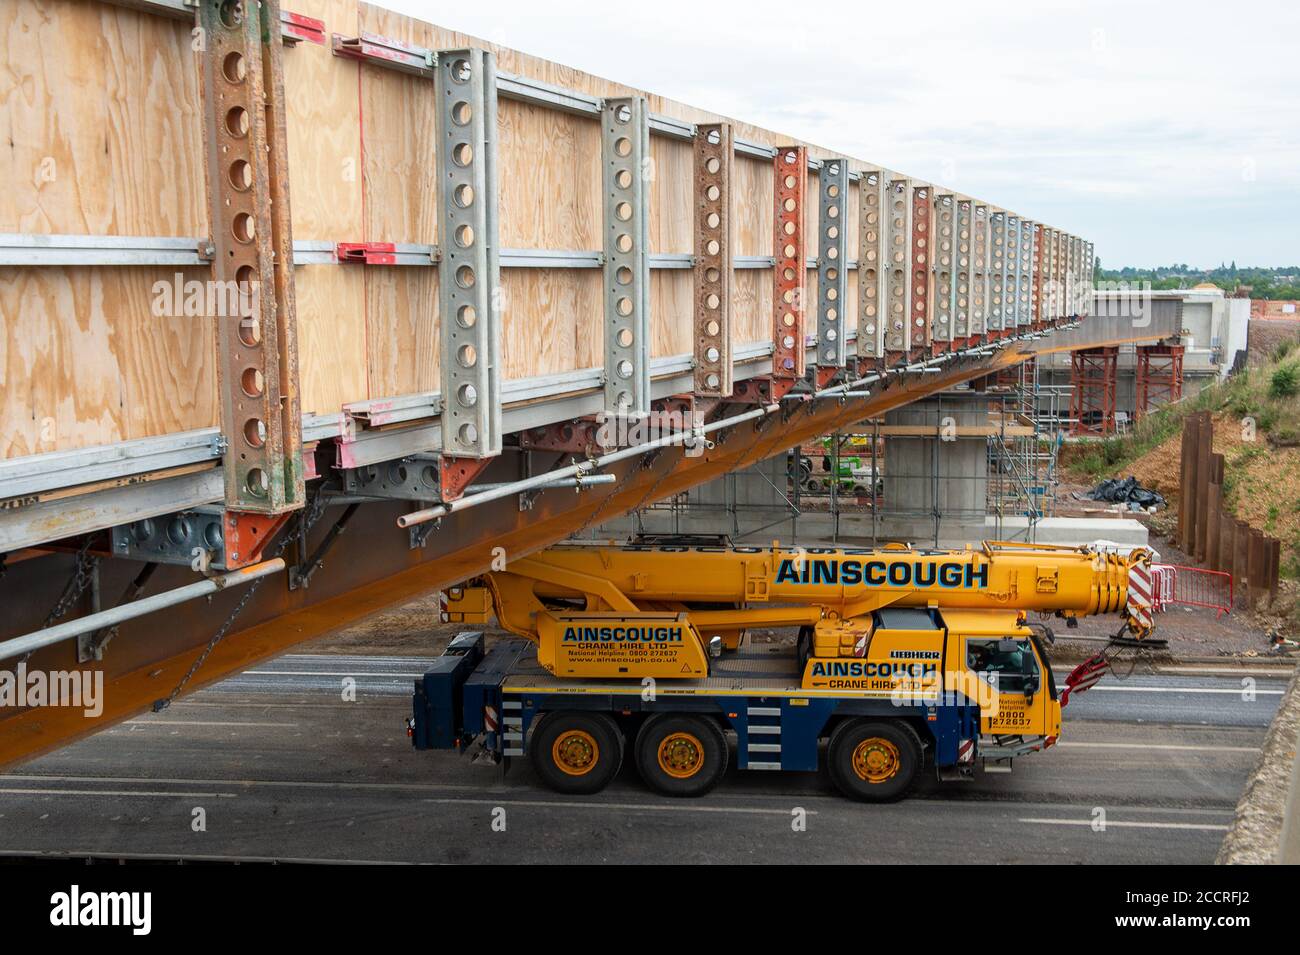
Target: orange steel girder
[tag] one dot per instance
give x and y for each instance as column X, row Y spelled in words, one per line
column 371, row 568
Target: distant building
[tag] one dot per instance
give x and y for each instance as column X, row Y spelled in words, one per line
column 1276, row 310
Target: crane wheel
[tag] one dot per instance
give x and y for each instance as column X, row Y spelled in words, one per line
column 874, row 760
column 681, row 755
column 577, row 753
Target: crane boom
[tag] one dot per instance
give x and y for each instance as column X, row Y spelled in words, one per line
column 682, row 597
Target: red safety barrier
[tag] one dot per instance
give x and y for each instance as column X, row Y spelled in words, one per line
column 1175, row 584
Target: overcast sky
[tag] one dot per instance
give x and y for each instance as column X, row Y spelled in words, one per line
column 1163, row 131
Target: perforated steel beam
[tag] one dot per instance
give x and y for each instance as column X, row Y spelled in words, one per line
column 469, row 272
column 1014, row 308
column 625, row 149
column 714, row 154
column 1000, row 293
column 922, row 215
column 1024, row 276
column 898, row 243
column 248, row 203
column 832, row 338
column 873, row 282
column 944, row 253
column 1032, row 233
column 979, row 273
column 790, row 292
column 1089, row 263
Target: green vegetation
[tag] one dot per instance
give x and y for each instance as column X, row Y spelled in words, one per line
column 1269, row 283
column 1284, row 382
column 1261, row 398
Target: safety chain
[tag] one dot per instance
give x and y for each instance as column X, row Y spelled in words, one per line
column 81, row 578
column 307, row 520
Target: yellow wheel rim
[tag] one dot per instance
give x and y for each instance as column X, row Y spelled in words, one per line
column 575, row 752
column 876, row 760
column 681, row 755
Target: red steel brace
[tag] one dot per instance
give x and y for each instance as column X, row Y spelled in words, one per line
column 294, row 28
column 391, row 53
column 455, row 474
column 246, row 535
column 367, row 253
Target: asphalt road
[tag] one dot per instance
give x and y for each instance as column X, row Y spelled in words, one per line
column 282, row 767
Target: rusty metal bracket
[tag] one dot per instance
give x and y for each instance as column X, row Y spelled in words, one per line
column 455, row 474
column 714, row 157
column 579, row 436
column 246, row 535
column 789, row 299
column 248, row 202
column 761, row 391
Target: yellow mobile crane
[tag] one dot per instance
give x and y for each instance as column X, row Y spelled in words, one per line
column 905, row 657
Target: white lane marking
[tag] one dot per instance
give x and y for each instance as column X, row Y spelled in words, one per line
column 351, row 673
column 1235, row 691
column 1169, row 746
column 110, row 792
column 1111, row 823
column 145, row 721
column 1247, row 671
column 651, row 807
column 285, row 783
column 192, row 856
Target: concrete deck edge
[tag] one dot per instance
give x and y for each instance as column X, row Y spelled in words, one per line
column 1270, row 804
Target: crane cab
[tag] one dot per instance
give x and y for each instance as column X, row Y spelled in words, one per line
column 1005, row 667
column 918, row 655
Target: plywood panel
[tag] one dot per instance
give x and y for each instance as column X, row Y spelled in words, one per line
column 671, row 301
column 402, row 330
column 332, row 348
column 551, row 321
column 399, row 136
column 102, row 113
column 101, row 116
column 671, row 228
column 323, row 95
column 93, row 355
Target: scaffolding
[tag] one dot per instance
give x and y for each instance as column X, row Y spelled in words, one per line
column 849, row 486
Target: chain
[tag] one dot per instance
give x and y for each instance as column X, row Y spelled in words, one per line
column 81, row 578
column 307, row 520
